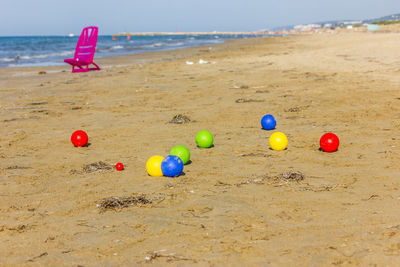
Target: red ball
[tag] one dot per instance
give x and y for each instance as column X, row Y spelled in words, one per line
column 329, row 142
column 119, row 166
column 79, row 138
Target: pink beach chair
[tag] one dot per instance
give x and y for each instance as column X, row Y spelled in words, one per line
column 84, row 51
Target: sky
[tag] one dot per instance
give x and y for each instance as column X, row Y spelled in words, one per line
column 52, row 17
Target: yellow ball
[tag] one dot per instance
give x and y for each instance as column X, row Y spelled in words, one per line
column 153, row 166
column 278, row 141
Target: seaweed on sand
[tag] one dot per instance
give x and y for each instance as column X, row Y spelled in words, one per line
column 242, row 100
column 286, row 177
column 115, row 203
column 97, row 166
column 180, row 119
column 291, row 176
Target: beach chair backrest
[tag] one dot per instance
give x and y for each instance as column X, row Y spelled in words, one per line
column 86, row 45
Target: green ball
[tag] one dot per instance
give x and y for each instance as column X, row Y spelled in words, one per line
column 204, row 139
column 182, row 152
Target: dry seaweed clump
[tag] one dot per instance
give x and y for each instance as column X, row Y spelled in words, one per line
column 291, row 176
column 180, row 119
column 242, row 100
column 97, row 166
column 16, row 167
column 115, row 203
column 286, row 177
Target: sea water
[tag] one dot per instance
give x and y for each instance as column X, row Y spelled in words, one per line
column 25, row 51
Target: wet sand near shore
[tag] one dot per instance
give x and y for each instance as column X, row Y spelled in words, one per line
column 237, row 203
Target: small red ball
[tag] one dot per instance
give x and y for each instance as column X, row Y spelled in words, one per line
column 119, row 166
column 79, row 138
column 329, row 142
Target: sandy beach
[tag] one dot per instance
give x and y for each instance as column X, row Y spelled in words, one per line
column 234, row 205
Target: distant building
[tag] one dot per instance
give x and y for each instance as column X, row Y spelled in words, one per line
column 307, row 27
column 352, row 22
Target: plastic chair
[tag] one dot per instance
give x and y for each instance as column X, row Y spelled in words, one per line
column 84, row 51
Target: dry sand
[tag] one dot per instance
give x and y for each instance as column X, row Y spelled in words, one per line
column 232, row 207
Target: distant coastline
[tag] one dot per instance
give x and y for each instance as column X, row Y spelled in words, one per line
column 191, row 33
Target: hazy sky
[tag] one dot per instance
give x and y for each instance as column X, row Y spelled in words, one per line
column 52, row 17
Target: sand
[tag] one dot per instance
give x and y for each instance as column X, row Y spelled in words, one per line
column 233, row 205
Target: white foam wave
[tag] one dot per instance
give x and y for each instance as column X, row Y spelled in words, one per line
column 177, row 44
column 161, row 44
column 6, row 59
column 44, row 63
column 109, row 48
column 59, row 54
column 16, row 58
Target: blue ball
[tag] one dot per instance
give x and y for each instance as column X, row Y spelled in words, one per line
column 172, row 166
column 268, row 122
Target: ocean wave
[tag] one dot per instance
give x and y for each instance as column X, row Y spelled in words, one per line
column 168, row 45
column 37, row 64
column 161, row 44
column 40, row 56
column 58, row 54
column 7, row 59
column 176, row 44
column 148, row 46
column 109, row 48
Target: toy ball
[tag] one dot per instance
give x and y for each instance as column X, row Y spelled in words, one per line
column 268, row 122
column 182, row 152
column 278, row 141
column 79, row 138
column 204, row 139
column 329, row 142
column 119, row 166
column 172, row 166
column 153, row 166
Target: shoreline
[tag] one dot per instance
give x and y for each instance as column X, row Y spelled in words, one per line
column 144, row 57
column 189, row 33
column 120, row 48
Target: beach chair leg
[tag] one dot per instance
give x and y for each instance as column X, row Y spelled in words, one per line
column 76, row 68
column 80, row 69
column 97, row 67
